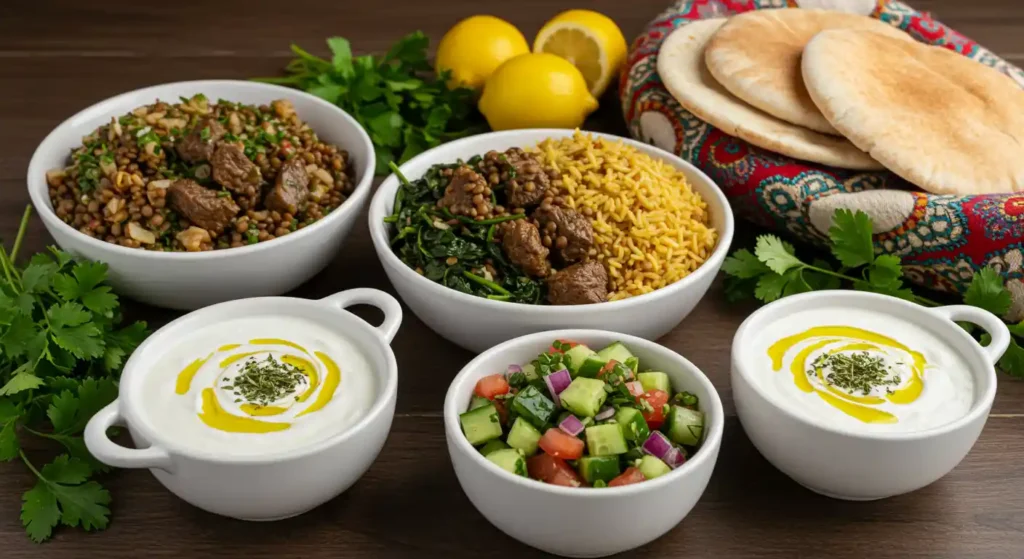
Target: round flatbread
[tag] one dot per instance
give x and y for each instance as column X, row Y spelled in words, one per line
column 942, row 121
column 756, row 56
column 682, row 70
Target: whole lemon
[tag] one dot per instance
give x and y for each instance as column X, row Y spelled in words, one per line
column 475, row 47
column 536, row 91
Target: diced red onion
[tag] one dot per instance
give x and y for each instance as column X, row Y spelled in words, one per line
column 557, row 382
column 635, row 388
column 658, row 445
column 512, row 369
column 674, row 458
column 605, row 413
column 571, row 425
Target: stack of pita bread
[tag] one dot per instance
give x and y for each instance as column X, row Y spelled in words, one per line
column 849, row 91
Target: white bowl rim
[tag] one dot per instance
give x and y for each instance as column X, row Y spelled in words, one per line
column 378, row 231
column 712, row 441
column 388, row 390
column 41, row 200
column 980, row 406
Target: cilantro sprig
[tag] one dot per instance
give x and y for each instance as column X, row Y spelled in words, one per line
column 404, row 106
column 61, row 351
column 773, row 270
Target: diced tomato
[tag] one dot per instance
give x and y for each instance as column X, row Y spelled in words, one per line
column 569, row 343
column 502, row 408
column 491, row 386
column 561, row 445
column 555, row 471
column 629, row 477
column 607, row 367
column 657, row 400
column 635, row 388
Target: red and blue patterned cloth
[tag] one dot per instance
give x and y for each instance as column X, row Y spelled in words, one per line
column 942, row 240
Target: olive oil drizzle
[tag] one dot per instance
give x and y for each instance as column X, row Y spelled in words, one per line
column 858, row 406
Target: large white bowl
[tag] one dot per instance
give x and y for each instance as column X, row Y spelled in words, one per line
column 854, row 465
column 267, row 487
column 582, row 521
column 190, row 280
column 476, row 323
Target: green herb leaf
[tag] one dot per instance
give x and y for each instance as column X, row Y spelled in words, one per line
column 886, row 271
column 778, row 255
column 743, row 264
column 770, row 287
column 39, row 512
column 988, row 292
column 21, row 382
column 851, row 238
column 9, row 447
column 63, row 411
column 341, row 54
column 67, row 314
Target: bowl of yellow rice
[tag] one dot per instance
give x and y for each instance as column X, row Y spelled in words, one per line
column 658, row 232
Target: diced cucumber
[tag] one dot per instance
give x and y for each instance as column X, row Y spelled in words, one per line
column 651, row 467
column 584, row 396
column 590, row 366
column 655, row 381
column 577, row 356
column 531, row 372
column 634, row 427
column 509, row 459
column 534, row 406
column 617, row 351
column 599, row 468
column 492, row 445
column 605, row 440
column 684, row 426
column 524, row 436
column 478, row 402
column 481, row 425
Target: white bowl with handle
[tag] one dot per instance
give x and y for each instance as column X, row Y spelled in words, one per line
column 257, row 487
column 582, row 521
column 476, row 323
column 191, row 280
column 852, row 464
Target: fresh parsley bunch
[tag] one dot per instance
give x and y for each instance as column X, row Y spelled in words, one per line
column 61, row 351
column 397, row 98
column 774, row 271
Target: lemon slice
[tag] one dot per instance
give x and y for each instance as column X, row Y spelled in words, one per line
column 590, row 40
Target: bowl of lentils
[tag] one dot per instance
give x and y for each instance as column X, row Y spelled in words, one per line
column 200, row 192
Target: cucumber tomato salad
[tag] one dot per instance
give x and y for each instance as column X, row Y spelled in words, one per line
column 583, row 418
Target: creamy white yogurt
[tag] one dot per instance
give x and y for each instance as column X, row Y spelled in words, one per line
column 195, row 377
column 940, row 391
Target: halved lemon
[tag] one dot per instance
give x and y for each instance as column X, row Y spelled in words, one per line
column 588, row 39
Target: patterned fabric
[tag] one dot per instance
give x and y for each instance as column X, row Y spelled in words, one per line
column 942, row 240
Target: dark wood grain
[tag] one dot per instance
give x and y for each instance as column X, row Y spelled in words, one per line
column 58, row 57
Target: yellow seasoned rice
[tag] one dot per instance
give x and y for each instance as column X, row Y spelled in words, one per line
column 650, row 228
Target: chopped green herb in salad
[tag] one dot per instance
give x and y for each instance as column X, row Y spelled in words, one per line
column 582, row 418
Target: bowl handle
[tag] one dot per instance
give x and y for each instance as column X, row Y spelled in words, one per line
column 113, row 454
column 375, row 298
column 988, row 322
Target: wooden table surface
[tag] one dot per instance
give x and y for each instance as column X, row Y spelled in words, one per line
column 59, row 57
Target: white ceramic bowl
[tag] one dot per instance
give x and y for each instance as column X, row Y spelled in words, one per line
column 852, row 465
column 183, row 280
column 572, row 521
column 476, row 323
column 272, row 486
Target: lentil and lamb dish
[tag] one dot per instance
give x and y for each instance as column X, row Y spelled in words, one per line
column 572, row 221
column 195, row 176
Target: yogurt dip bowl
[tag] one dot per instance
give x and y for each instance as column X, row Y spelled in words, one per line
column 224, row 400
column 861, row 396
column 580, row 521
column 477, row 323
column 192, row 280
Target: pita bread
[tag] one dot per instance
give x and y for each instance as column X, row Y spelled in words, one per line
column 942, row 121
column 756, row 56
column 682, row 70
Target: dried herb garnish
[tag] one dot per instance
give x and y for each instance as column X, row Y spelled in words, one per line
column 262, row 382
column 855, row 372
